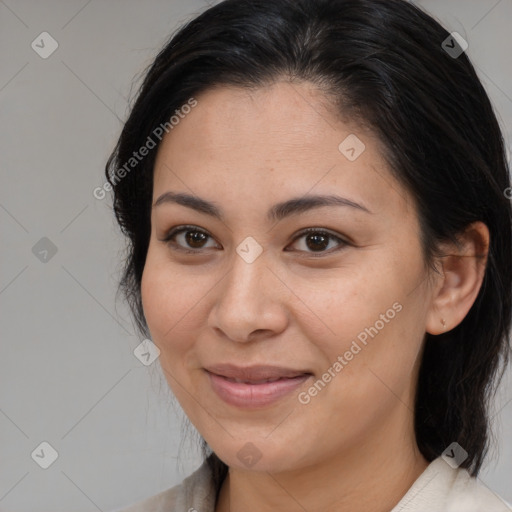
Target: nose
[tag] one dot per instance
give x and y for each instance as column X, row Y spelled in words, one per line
column 249, row 302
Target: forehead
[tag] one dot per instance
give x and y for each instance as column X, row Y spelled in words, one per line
column 275, row 141
column 277, row 117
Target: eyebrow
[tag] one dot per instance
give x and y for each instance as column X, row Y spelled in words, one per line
column 278, row 212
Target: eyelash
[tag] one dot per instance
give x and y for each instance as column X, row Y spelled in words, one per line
column 181, row 229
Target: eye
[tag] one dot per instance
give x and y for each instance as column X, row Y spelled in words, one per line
column 192, row 239
column 189, row 239
column 316, row 240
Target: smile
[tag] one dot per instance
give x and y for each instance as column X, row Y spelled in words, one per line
column 254, row 387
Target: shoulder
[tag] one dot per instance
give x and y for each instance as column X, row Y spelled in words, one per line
column 195, row 493
column 446, row 489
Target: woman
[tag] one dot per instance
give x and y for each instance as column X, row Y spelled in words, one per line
column 320, row 247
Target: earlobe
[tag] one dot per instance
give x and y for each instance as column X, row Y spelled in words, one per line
column 462, row 273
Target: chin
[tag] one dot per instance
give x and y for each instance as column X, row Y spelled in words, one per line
column 261, row 455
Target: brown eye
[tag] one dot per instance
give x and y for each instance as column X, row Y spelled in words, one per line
column 188, row 238
column 195, row 239
column 315, row 240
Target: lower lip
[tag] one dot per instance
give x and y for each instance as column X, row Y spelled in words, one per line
column 245, row 395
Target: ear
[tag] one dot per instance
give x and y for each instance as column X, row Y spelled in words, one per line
column 462, row 269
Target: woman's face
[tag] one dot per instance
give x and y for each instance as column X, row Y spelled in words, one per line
column 338, row 314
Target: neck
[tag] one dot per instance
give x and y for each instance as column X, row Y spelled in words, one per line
column 370, row 477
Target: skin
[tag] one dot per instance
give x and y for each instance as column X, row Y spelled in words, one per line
column 245, row 151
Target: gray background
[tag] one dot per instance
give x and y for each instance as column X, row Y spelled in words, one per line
column 68, row 375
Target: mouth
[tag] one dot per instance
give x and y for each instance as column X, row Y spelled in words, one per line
column 256, row 373
column 261, row 381
column 254, row 386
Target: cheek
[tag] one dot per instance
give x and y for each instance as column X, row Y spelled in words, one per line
column 343, row 303
column 162, row 299
column 152, row 295
column 168, row 316
column 366, row 314
column 172, row 300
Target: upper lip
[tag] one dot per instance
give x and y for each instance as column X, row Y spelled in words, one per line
column 254, row 373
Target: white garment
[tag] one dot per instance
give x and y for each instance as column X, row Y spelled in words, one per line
column 440, row 488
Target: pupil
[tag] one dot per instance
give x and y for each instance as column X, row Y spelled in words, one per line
column 322, row 240
column 195, row 237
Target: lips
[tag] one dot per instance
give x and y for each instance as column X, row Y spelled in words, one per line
column 254, row 386
column 255, row 374
column 248, row 381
